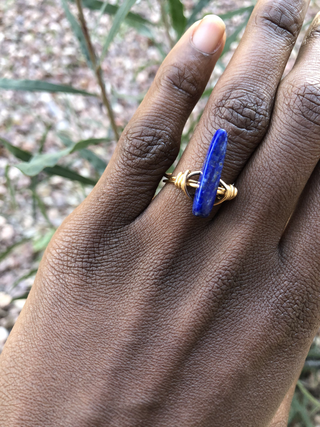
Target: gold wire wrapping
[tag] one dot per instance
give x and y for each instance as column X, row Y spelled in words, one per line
column 183, row 181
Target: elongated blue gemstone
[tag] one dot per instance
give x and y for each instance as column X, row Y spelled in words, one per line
column 209, row 180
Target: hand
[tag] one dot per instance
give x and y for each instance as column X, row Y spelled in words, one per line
column 143, row 315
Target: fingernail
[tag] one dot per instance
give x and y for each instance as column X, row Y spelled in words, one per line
column 208, row 35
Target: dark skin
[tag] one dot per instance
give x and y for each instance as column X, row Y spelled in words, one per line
column 143, row 315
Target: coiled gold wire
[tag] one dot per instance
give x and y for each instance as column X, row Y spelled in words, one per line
column 183, row 181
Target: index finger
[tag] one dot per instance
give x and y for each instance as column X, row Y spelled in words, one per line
column 151, row 140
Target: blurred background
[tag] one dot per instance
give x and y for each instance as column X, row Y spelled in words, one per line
column 72, row 73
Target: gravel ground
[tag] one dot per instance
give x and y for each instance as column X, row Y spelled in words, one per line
column 36, row 43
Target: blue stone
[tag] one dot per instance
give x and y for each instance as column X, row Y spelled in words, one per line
column 209, row 180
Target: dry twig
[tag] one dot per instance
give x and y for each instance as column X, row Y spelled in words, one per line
column 97, row 68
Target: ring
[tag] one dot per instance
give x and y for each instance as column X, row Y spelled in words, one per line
column 210, row 189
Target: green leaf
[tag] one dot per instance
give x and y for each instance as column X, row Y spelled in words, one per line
column 69, row 174
column 41, row 161
column 137, row 24
column 142, row 25
column 307, row 24
column 90, row 156
column 84, row 143
column 77, row 31
column 16, row 151
column 101, row 11
column 142, row 29
column 121, row 14
column 111, row 9
column 56, row 170
column 43, row 241
column 236, row 12
column 23, row 296
column 40, row 86
column 207, row 92
column 299, row 410
column 41, row 207
column 30, row 273
column 196, row 11
column 308, row 395
column 44, row 137
column 10, row 187
column 179, row 21
column 314, row 353
column 8, row 251
column 294, row 410
column 87, row 142
column 98, row 164
column 225, row 16
column 300, row 406
column 234, row 36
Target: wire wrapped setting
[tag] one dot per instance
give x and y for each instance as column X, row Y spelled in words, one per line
column 183, row 181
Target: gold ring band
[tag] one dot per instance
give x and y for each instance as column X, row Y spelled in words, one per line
column 184, row 180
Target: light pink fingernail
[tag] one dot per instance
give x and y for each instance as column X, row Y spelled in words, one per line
column 209, row 33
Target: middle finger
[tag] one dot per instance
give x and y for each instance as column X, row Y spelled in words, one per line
column 242, row 100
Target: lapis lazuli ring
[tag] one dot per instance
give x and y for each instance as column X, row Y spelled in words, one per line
column 210, row 189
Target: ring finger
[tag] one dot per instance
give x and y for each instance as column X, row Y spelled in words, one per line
column 279, row 171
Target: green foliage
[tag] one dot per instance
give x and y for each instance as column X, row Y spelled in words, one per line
column 139, row 23
column 110, row 9
column 120, row 16
column 40, row 86
column 43, row 241
column 178, row 19
column 303, row 406
column 236, row 12
column 235, row 35
column 10, row 187
column 98, row 164
column 41, row 161
column 77, row 31
column 30, row 273
column 309, row 396
column 56, row 170
column 196, row 11
column 8, row 250
column 299, row 411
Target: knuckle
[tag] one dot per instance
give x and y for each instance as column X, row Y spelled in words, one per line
column 180, row 80
column 73, row 252
column 283, row 18
column 153, row 141
column 295, row 306
column 81, row 254
column 297, row 314
column 245, row 112
column 303, row 98
column 145, row 147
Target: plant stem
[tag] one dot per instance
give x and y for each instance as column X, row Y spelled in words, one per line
column 308, row 395
column 97, row 69
column 166, row 22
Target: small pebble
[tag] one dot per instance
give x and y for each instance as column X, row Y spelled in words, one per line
column 5, row 300
column 8, row 321
column 3, row 335
column 19, row 303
